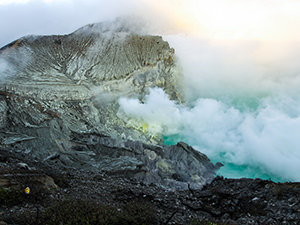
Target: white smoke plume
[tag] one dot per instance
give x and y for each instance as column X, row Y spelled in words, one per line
column 265, row 139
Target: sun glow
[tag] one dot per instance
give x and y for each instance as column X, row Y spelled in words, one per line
column 235, row 20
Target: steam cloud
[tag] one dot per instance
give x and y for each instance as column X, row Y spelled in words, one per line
column 263, row 141
column 242, row 105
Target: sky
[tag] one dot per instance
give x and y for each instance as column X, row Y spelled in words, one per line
column 25, row 17
column 213, row 19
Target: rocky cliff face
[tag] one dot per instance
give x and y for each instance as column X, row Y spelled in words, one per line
column 58, row 102
column 68, row 76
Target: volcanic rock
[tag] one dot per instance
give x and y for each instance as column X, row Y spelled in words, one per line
column 59, row 102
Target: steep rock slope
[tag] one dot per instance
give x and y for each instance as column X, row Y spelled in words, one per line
column 92, row 66
column 58, row 101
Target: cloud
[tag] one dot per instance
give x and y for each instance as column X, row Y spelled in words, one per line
column 237, row 69
column 265, row 139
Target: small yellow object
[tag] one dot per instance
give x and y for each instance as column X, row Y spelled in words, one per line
column 27, row 190
column 144, row 127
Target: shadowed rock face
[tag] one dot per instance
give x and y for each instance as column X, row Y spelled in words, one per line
column 58, row 101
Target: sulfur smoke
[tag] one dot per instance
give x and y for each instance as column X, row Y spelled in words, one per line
column 242, row 106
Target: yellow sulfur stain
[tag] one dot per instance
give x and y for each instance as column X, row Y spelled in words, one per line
column 144, row 127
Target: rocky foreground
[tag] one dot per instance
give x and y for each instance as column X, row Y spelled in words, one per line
column 70, row 155
column 67, row 192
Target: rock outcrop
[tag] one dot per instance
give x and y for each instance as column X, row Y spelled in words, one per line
column 224, row 201
column 58, row 102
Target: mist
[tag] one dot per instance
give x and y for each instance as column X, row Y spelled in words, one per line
column 240, row 62
column 261, row 143
column 242, row 105
column 4, row 69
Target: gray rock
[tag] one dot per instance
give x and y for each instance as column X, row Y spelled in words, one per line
column 60, row 97
column 174, row 166
column 3, row 113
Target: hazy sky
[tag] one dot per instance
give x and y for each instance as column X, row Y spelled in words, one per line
column 23, row 17
column 217, row 19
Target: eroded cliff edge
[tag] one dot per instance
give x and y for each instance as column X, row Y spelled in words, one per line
column 58, row 102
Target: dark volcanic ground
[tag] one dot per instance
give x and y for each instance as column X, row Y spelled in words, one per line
column 224, row 201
